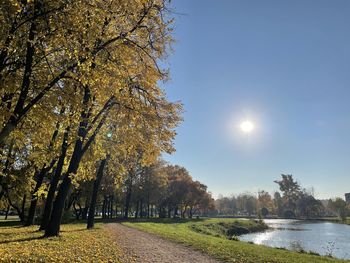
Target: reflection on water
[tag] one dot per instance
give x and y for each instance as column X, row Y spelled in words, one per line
column 262, row 238
column 324, row 238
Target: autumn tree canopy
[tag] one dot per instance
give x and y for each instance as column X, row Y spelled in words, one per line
column 79, row 85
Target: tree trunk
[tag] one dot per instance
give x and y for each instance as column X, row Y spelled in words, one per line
column 85, row 210
column 116, row 209
column 104, row 207
column 190, row 212
column 169, row 212
column 84, row 213
column 53, row 227
column 137, row 209
column 54, row 182
column 148, row 206
column 127, row 199
column 141, row 208
column 34, row 198
column 77, row 211
column 108, row 206
column 175, row 211
column 111, row 206
column 90, row 221
column 21, row 212
column 7, row 211
column 183, row 212
column 2, row 192
column 78, row 152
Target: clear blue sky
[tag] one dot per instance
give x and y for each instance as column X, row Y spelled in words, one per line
column 285, row 65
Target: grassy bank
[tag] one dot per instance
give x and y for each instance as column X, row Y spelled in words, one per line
column 228, row 228
column 337, row 220
column 76, row 244
column 219, row 246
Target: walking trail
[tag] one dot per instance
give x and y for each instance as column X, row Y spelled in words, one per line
column 139, row 246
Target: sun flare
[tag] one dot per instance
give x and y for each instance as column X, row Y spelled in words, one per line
column 247, row 126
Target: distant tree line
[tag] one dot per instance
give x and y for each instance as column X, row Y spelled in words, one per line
column 292, row 201
column 159, row 190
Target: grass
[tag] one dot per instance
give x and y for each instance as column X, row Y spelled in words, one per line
column 220, row 247
column 337, row 220
column 347, row 221
column 76, row 244
column 229, row 228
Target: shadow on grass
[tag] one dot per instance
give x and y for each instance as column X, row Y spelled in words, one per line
column 17, row 224
column 5, row 223
column 160, row 220
column 21, row 240
column 75, row 230
column 139, row 220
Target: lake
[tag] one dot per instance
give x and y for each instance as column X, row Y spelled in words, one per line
column 318, row 236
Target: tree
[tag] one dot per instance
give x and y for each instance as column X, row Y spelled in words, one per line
column 91, row 68
column 264, row 211
column 49, row 54
column 308, row 206
column 278, row 203
column 198, row 199
column 97, row 182
column 265, row 201
column 247, row 203
column 339, row 206
column 178, row 188
column 226, row 205
column 290, row 190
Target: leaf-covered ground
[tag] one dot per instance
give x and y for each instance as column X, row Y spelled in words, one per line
column 76, row 244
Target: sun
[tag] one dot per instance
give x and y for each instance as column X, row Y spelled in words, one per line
column 247, row 126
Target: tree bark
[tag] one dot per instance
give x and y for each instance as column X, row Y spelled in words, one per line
column 141, row 208
column 137, row 209
column 148, row 206
column 7, row 211
column 128, row 197
column 169, row 212
column 111, row 199
column 77, row 211
column 34, row 198
column 84, row 213
column 54, row 181
column 20, row 211
column 104, row 204
column 175, row 211
column 97, row 183
column 53, row 227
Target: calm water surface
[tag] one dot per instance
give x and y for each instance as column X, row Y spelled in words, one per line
column 322, row 237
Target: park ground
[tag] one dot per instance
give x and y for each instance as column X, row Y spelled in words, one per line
column 142, row 241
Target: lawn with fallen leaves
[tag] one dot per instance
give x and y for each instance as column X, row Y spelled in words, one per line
column 75, row 244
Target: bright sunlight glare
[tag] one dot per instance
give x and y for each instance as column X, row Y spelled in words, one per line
column 247, row 126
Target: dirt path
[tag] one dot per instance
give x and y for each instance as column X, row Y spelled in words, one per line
column 139, row 246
